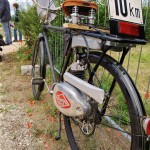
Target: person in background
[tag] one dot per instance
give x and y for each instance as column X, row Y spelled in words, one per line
column 16, row 20
column 5, row 18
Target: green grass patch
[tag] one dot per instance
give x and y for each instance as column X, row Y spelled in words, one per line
column 24, row 54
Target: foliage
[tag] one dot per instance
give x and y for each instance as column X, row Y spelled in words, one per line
column 147, row 105
column 124, row 110
column 24, row 54
column 29, row 24
column 146, row 16
column 102, row 18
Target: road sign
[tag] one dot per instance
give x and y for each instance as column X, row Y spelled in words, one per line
column 126, row 10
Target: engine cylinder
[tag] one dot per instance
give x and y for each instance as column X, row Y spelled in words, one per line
column 79, row 74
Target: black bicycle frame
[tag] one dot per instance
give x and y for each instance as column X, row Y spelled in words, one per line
column 96, row 34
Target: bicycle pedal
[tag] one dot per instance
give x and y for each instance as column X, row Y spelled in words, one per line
column 37, row 80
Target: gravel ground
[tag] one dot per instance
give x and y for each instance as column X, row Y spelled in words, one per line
column 25, row 124
column 14, row 131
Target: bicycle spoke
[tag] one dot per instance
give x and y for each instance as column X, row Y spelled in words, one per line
column 114, row 127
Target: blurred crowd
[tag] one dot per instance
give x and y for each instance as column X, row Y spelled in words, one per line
column 5, row 18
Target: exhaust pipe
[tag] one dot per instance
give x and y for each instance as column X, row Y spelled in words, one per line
column 92, row 91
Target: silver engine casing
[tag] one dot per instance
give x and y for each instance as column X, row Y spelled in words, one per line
column 70, row 101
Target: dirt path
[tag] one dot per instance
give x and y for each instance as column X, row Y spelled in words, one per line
column 10, row 48
column 25, row 124
column 15, row 134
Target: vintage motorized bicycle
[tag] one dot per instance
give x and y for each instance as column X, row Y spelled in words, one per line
column 102, row 107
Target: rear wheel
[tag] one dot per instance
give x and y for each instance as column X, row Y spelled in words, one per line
column 38, row 68
column 114, row 125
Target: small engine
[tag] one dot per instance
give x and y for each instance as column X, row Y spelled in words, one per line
column 70, row 101
column 72, row 97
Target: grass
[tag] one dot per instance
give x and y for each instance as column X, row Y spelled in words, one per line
column 24, row 54
column 141, row 76
column 144, row 71
column 7, row 109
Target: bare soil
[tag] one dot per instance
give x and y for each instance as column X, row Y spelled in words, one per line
column 25, row 124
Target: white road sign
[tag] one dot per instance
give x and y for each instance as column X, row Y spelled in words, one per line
column 127, row 10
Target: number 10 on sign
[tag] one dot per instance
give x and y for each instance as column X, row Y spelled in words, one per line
column 126, row 10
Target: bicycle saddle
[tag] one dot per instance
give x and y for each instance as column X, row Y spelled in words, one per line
column 83, row 5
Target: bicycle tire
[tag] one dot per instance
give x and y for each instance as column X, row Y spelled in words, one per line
column 134, row 108
column 38, row 61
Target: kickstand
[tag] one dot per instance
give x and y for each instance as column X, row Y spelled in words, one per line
column 58, row 137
